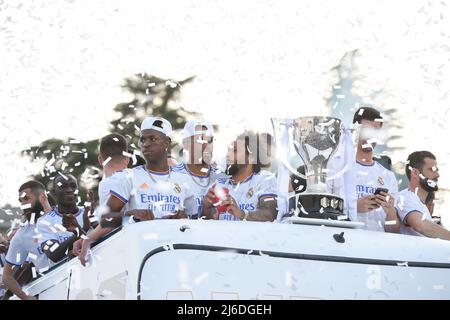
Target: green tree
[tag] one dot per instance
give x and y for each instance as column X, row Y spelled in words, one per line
column 151, row 96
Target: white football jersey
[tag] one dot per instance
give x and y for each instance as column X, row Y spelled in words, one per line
column 406, row 203
column 162, row 193
column 50, row 226
column 200, row 184
column 25, row 247
column 248, row 192
column 104, row 191
column 362, row 180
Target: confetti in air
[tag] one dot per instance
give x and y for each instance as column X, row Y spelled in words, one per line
column 25, row 206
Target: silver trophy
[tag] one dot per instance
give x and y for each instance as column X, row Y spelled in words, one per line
column 315, row 139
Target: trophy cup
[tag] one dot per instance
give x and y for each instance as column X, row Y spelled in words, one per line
column 315, row 139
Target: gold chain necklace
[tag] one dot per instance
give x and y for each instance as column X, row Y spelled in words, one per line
column 154, row 180
column 197, row 182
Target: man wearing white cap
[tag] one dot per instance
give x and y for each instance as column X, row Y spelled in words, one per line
column 151, row 191
column 198, row 137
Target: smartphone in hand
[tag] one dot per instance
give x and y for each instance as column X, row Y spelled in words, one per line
column 379, row 190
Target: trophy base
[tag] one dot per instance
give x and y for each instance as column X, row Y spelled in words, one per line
column 320, row 206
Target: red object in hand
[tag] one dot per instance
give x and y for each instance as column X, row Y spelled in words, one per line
column 220, row 194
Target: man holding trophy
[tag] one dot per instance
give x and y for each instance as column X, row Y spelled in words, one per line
column 339, row 185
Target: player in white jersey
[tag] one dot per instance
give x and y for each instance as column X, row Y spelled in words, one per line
column 252, row 191
column 113, row 157
column 198, row 137
column 363, row 178
column 24, row 245
column 423, row 175
column 151, row 191
column 66, row 223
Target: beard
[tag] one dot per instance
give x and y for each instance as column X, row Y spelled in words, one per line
column 37, row 208
column 428, row 185
column 232, row 169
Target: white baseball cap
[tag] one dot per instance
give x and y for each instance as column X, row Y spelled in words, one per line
column 158, row 124
column 189, row 128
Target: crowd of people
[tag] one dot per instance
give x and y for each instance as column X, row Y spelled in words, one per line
column 244, row 190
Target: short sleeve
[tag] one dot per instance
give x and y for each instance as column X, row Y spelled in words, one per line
column 267, row 186
column 406, row 204
column 121, row 185
column 16, row 253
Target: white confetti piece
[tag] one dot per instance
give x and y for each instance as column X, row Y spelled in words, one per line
column 65, row 178
column 390, row 222
column 54, row 247
column 126, row 154
column 50, row 162
column 402, row 264
column 361, row 111
column 201, row 278
column 33, row 272
column 77, row 164
column 32, row 256
column 204, row 170
column 25, row 206
column 32, row 218
column 168, row 247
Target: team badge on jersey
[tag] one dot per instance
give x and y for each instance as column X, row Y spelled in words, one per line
column 380, row 181
column 250, row 193
column 177, row 188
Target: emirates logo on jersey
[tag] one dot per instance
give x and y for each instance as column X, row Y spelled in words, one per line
column 144, row 186
column 177, row 188
column 380, row 181
column 250, row 193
